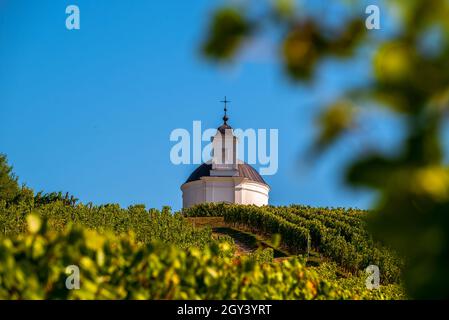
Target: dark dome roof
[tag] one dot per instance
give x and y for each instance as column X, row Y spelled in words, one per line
column 245, row 171
column 223, row 128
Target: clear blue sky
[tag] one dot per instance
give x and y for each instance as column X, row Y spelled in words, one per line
column 90, row 111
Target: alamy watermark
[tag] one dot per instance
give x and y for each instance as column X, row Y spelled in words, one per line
column 373, row 20
column 373, row 279
column 252, row 146
column 72, row 22
column 72, row 281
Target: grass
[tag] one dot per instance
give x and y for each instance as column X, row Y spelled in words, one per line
column 248, row 242
column 245, row 240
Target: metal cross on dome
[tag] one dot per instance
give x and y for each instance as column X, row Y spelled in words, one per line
column 225, row 101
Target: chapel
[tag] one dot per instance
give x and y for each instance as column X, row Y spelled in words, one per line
column 225, row 178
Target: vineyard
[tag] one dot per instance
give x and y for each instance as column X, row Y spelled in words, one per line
column 147, row 225
column 139, row 253
column 337, row 234
column 33, row 264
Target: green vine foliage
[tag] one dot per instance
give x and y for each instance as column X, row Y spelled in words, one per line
column 262, row 255
column 147, row 225
column 33, row 266
column 135, row 253
column 338, row 234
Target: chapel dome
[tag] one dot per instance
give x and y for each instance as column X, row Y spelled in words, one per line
column 244, row 171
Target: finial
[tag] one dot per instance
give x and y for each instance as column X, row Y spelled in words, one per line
column 225, row 117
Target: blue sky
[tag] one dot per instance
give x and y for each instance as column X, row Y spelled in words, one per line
column 90, row 111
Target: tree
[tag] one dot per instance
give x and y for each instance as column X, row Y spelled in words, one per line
column 410, row 79
column 42, row 198
column 9, row 187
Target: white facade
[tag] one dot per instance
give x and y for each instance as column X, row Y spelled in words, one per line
column 225, row 178
column 224, row 189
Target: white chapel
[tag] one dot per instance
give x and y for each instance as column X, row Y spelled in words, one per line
column 225, row 178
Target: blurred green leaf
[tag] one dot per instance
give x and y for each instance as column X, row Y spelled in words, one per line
column 228, row 29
